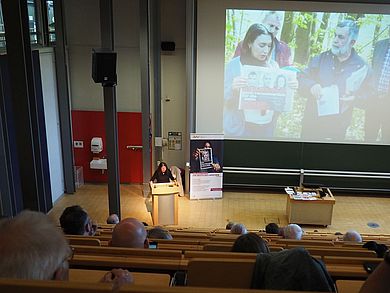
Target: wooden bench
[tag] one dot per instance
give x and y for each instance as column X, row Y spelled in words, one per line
column 151, row 264
column 144, row 279
column 33, row 286
column 352, row 267
column 123, row 251
column 303, row 243
column 332, row 251
column 349, row 286
column 219, row 272
column 87, row 241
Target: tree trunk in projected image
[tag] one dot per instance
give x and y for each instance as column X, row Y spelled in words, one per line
column 321, row 34
column 377, row 30
column 303, row 34
column 287, row 33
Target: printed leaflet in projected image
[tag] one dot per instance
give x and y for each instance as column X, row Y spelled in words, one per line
column 206, row 166
column 307, row 76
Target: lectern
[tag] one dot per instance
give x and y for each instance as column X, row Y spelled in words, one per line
column 165, row 197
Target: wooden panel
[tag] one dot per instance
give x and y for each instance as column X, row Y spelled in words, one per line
column 144, row 279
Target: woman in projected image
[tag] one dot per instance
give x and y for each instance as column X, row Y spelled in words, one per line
column 251, row 123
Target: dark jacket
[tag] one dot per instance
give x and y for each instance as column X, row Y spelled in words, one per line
column 291, row 269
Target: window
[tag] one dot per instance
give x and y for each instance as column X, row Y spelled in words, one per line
column 50, row 20
column 40, row 22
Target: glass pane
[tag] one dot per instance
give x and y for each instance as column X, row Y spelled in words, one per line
column 50, row 20
column 32, row 21
column 2, row 31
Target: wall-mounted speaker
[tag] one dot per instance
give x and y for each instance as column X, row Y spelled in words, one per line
column 168, row 46
column 104, row 67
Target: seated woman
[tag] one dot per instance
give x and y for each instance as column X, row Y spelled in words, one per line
column 162, row 174
column 251, row 243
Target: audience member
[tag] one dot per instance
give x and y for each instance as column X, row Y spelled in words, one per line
column 238, row 229
column 159, row 233
column 272, row 228
column 117, row 277
column 41, row 251
column 32, row 247
column 229, row 225
column 353, row 236
column 113, row 219
column 250, row 242
column 378, row 280
column 75, row 221
column 129, row 233
column 380, row 249
column 293, row 231
column 292, row 270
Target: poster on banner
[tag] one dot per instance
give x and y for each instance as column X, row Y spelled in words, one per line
column 206, row 176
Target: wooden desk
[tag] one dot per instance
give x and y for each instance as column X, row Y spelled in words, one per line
column 144, row 279
column 311, row 212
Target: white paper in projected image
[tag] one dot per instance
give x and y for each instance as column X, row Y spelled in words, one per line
column 307, row 76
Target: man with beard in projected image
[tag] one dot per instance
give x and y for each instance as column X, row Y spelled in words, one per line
column 258, row 122
column 327, row 79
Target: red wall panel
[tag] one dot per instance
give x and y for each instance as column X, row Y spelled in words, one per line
column 89, row 124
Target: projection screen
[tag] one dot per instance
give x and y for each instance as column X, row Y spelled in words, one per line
column 293, row 71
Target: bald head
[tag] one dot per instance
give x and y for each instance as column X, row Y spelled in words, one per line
column 129, row 233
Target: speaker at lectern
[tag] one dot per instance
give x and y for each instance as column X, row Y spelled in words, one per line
column 165, row 197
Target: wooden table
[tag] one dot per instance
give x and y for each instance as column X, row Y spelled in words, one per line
column 311, row 212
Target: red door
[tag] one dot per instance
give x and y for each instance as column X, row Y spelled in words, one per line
column 130, row 147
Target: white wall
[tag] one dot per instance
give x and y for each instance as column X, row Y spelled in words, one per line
column 83, row 33
column 50, row 103
column 173, row 76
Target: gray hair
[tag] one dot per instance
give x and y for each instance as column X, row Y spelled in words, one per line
column 293, row 231
column 159, row 233
column 238, row 229
column 113, row 219
column 352, row 235
column 353, row 29
column 272, row 13
column 32, row 247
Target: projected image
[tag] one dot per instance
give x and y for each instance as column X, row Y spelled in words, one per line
column 312, row 76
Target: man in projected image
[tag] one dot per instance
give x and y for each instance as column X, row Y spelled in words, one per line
column 377, row 117
column 332, row 83
column 281, row 52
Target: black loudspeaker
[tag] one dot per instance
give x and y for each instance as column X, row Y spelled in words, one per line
column 168, row 46
column 104, row 67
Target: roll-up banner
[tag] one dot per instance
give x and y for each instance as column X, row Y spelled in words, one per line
column 206, row 171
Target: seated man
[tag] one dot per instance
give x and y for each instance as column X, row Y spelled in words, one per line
column 75, row 221
column 272, row 228
column 229, row 225
column 238, row 229
column 113, row 219
column 251, row 243
column 40, row 251
column 352, row 236
column 159, row 233
column 293, row 231
column 32, row 247
column 129, row 233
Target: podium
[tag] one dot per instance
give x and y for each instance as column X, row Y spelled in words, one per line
column 165, row 197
